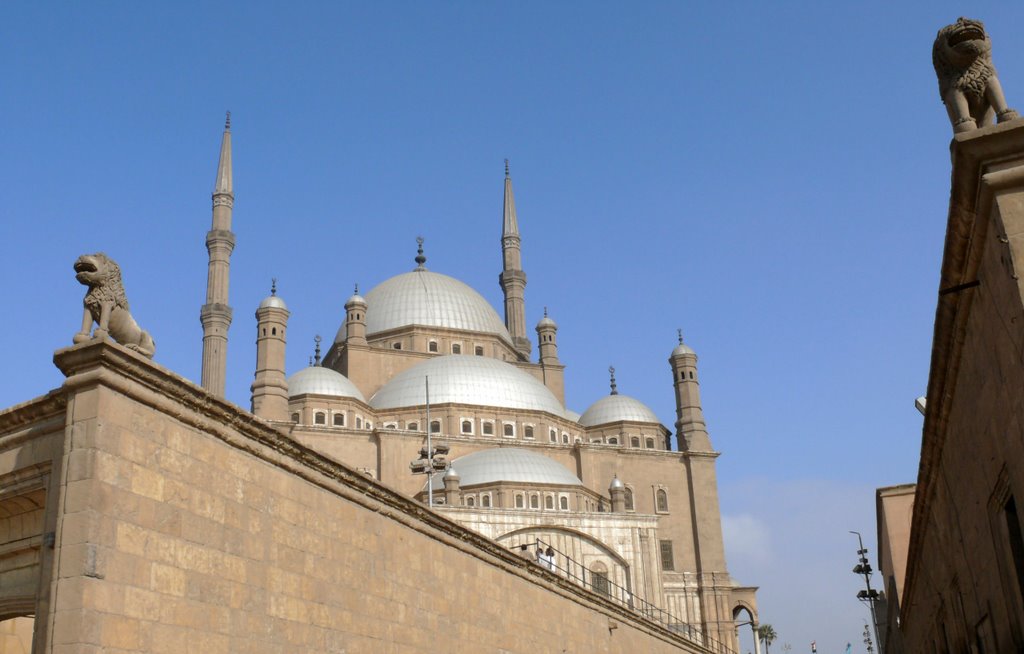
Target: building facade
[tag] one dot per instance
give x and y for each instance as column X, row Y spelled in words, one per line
column 628, row 506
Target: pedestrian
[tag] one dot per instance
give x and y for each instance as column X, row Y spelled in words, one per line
column 526, row 553
column 549, row 559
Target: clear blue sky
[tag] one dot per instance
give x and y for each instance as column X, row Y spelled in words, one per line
column 771, row 177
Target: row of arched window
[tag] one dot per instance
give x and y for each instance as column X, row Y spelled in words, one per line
column 337, row 419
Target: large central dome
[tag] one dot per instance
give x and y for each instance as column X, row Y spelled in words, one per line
column 465, row 379
column 427, row 298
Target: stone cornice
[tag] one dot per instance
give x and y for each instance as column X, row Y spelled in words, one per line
column 104, row 363
column 41, row 409
column 980, row 168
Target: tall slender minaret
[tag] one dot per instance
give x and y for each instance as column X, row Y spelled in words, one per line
column 512, row 278
column 220, row 241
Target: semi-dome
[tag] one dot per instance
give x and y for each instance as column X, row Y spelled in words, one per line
column 509, row 464
column 430, row 299
column 466, row 379
column 319, row 380
column 616, row 408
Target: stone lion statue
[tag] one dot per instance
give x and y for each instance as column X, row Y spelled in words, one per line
column 107, row 305
column 962, row 56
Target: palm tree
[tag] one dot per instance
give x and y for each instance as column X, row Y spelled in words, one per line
column 766, row 633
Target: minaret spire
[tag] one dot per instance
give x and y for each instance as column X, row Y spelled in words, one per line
column 512, row 278
column 215, row 315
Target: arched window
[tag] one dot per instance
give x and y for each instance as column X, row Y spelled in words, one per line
column 553, row 436
column 470, row 501
column 565, row 438
column 528, row 432
column 534, row 501
column 412, row 426
column 650, row 443
column 295, row 418
column 456, row 348
column 613, row 441
column 435, row 426
column 359, row 423
column 599, row 578
column 319, row 418
column 485, row 501
column 339, row 419
column 273, row 331
column 487, row 428
column 509, row 430
column 432, row 346
column 478, row 350
column 629, row 498
column 264, row 331
column 519, row 502
column 563, row 503
column 635, row 441
column 549, row 502
column 467, row 427
column 397, row 346
column 691, row 374
column 661, row 500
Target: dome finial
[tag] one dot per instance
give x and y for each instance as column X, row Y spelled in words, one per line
column 356, row 292
column 545, row 312
column 273, row 286
column 611, row 372
column 680, row 332
column 227, row 122
column 506, row 168
column 420, row 259
column 316, row 356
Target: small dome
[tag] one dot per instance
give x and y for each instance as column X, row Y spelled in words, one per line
column 510, row 464
column 616, row 408
column 682, row 348
column 451, row 474
column 318, row 380
column 429, row 299
column 272, row 302
column 355, row 300
column 466, row 379
column 546, row 322
column 616, row 483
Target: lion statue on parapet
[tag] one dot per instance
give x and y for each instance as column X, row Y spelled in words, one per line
column 107, row 305
column 962, row 56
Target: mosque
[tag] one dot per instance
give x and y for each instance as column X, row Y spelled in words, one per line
column 630, row 507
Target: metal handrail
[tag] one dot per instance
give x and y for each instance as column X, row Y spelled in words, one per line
column 577, row 573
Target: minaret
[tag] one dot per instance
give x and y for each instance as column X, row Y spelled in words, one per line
column 270, row 387
column 547, row 343
column 691, row 432
column 220, row 241
column 512, row 278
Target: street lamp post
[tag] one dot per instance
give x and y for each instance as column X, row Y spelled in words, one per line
column 869, row 596
column 432, row 457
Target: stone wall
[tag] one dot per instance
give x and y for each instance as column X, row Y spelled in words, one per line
column 183, row 524
column 963, row 586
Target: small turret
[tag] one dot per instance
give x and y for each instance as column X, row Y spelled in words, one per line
column 451, row 481
column 355, row 319
column 691, row 432
column 547, row 330
column 270, row 386
column 617, row 490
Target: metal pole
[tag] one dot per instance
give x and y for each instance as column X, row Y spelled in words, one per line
column 430, row 451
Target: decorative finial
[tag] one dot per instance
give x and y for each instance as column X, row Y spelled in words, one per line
column 357, row 289
column 611, row 371
column 680, row 332
column 316, row 356
column 273, row 285
column 545, row 312
column 310, row 362
column 506, row 168
column 227, row 122
column 420, row 259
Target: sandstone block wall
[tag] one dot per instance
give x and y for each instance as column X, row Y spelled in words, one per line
column 186, row 525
